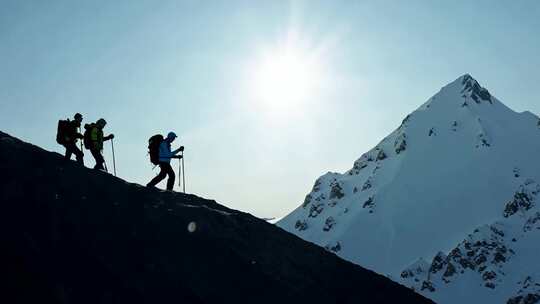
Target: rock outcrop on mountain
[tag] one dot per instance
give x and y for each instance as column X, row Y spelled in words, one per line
column 497, row 263
column 75, row 235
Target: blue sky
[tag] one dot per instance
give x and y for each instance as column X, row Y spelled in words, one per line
column 191, row 66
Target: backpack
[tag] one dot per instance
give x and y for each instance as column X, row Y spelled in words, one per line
column 87, row 136
column 62, row 131
column 153, row 148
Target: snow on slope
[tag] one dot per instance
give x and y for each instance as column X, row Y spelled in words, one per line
column 497, row 263
column 449, row 168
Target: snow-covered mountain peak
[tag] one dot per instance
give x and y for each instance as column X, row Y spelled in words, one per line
column 449, row 168
column 463, row 92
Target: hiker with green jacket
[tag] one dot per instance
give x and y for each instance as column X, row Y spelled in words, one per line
column 94, row 141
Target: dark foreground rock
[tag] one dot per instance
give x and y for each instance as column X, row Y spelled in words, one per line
column 74, row 235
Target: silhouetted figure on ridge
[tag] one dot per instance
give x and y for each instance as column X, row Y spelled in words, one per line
column 67, row 135
column 161, row 154
column 93, row 141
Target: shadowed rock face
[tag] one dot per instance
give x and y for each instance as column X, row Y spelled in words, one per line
column 74, row 235
column 477, row 92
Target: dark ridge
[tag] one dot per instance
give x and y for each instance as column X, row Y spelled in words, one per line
column 75, row 235
column 477, row 92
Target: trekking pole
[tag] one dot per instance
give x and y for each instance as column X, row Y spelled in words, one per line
column 113, row 158
column 179, row 173
column 183, row 174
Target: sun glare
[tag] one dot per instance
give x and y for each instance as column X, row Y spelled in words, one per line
column 286, row 77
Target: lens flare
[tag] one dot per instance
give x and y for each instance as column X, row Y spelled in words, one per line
column 192, row 227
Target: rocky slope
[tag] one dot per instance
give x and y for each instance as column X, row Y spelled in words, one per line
column 75, row 235
column 496, row 263
column 449, row 168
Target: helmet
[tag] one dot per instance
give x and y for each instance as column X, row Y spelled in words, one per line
column 78, row 116
column 171, row 135
column 101, row 122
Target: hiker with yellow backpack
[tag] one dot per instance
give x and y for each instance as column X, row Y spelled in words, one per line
column 93, row 141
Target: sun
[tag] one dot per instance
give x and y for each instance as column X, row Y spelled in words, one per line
column 286, row 77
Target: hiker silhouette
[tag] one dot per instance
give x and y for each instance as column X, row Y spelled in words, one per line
column 161, row 155
column 67, row 135
column 93, row 141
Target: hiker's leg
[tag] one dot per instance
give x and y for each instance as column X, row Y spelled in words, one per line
column 93, row 152
column 78, row 154
column 99, row 159
column 68, row 151
column 170, row 173
column 162, row 174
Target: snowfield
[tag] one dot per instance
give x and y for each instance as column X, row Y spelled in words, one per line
column 428, row 206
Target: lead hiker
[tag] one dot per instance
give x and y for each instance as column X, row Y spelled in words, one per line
column 93, row 141
column 67, row 135
column 161, row 154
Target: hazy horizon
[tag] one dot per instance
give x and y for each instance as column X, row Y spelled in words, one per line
column 265, row 96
